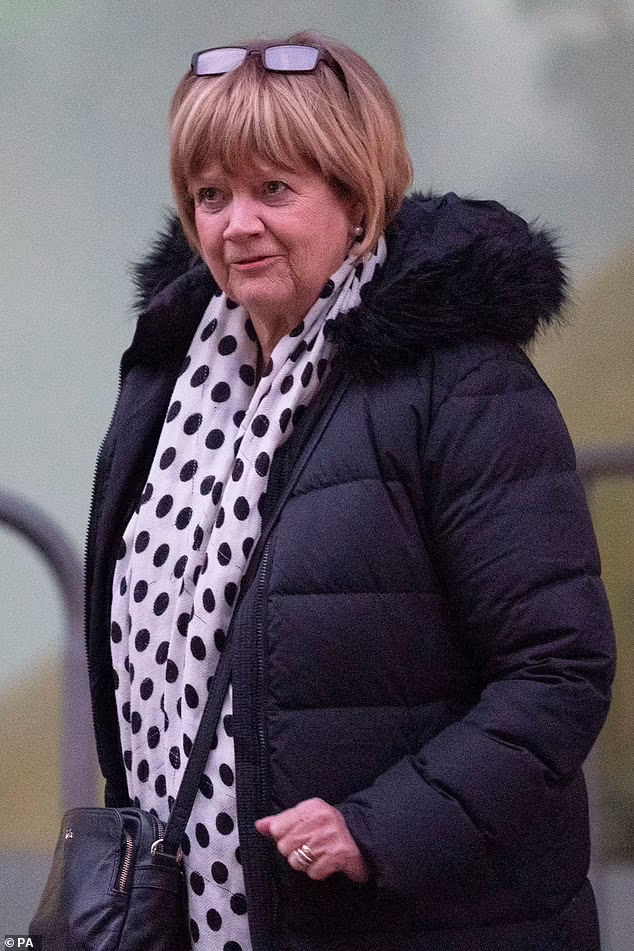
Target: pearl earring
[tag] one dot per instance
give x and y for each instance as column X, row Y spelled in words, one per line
column 359, row 232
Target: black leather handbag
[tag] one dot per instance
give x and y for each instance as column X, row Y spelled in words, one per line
column 117, row 881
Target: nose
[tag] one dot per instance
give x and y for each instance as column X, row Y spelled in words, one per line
column 243, row 220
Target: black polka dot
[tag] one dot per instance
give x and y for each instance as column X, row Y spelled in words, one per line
column 262, row 463
column 250, row 329
column 221, row 392
column 198, row 538
column 285, row 418
column 227, row 345
column 146, row 688
column 227, row 722
column 262, row 503
column 247, row 545
column 238, row 469
column 135, row 721
column 123, row 586
column 125, row 710
column 143, row 770
column 167, row 458
column 188, row 471
column 238, row 856
column 115, row 633
column 219, row 638
column 247, row 374
column 197, row 647
column 175, row 757
column 214, row 919
column 127, row 759
column 174, row 410
column 115, row 679
column 209, row 602
column 238, row 903
column 207, row 485
column 224, row 823
column 287, row 383
column 307, row 373
column 260, row 425
column 224, row 553
column 220, row 517
column 206, row 787
column 142, row 639
column 231, row 946
column 311, row 342
column 126, row 662
column 160, row 786
column 231, row 304
column 184, row 517
column 297, row 352
column 164, row 505
column 241, row 508
column 226, row 774
column 170, row 801
column 171, row 672
column 141, row 542
column 181, row 564
column 202, row 835
column 209, row 329
column 219, row 872
column 194, row 930
column 231, row 590
column 161, row 652
column 215, row 439
column 160, row 603
column 328, row 288
column 153, row 737
column 131, row 672
column 178, row 708
column 146, row 495
column 182, row 623
column 216, row 493
column 199, row 376
column 161, row 555
column 185, row 844
column 191, row 697
column 187, row 745
column 197, row 883
column 140, row 591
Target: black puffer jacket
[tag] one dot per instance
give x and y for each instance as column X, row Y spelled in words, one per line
column 422, row 637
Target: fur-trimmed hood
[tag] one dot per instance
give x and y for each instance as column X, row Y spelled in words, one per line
column 457, row 270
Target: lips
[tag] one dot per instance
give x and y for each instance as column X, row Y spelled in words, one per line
column 247, row 264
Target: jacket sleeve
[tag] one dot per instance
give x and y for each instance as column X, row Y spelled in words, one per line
column 516, row 555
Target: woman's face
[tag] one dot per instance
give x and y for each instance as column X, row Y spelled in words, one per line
column 272, row 238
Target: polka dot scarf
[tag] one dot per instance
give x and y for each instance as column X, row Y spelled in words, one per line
column 179, row 567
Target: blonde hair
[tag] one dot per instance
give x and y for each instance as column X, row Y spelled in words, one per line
column 355, row 140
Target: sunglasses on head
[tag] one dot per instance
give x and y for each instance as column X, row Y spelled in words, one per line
column 277, row 59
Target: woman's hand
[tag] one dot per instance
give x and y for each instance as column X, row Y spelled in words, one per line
column 322, row 830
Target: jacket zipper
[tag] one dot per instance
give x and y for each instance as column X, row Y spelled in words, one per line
column 124, row 875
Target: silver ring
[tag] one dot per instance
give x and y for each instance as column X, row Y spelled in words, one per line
column 305, row 854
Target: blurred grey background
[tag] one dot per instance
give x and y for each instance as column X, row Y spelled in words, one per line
column 525, row 101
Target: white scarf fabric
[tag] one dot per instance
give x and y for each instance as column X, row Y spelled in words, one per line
column 179, row 567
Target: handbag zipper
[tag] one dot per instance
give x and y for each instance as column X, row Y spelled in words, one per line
column 124, row 875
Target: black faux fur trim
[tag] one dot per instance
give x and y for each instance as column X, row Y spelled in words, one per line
column 457, row 270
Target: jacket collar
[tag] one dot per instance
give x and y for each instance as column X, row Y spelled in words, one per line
column 457, row 270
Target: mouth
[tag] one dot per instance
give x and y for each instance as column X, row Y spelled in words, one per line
column 249, row 264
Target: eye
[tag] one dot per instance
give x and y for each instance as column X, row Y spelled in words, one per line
column 275, row 187
column 210, row 195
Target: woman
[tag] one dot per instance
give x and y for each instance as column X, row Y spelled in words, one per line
column 330, row 449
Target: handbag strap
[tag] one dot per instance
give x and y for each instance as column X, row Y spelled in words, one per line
column 197, row 760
